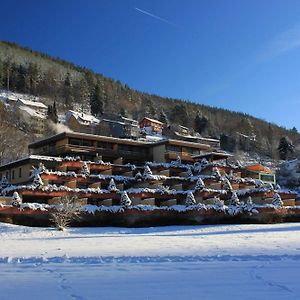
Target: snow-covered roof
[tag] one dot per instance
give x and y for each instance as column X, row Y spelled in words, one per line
column 32, row 112
column 152, row 120
column 32, row 157
column 81, row 117
column 32, row 103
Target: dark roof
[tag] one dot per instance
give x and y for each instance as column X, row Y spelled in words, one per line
column 79, row 135
column 212, row 156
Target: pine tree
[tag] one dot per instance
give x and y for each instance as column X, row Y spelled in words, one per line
column 234, row 200
column 125, row 200
column 190, row 199
column 37, row 181
column 4, row 182
column 147, row 172
column 112, row 186
column 201, row 123
column 190, row 172
column 284, row 148
column 96, row 101
column 16, row 199
column 138, row 176
column 85, row 171
column 199, row 184
column 218, row 203
column 277, row 200
column 249, row 200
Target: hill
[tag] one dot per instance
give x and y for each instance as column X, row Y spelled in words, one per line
column 71, row 86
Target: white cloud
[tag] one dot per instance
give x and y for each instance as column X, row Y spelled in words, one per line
column 284, row 42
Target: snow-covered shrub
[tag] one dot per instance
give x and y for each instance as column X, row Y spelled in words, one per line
column 112, row 186
column 16, row 199
column 138, row 176
column 189, row 172
column 199, row 184
column 218, row 204
column 65, row 212
column 125, row 200
column 85, row 171
column 277, row 200
column 178, row 160
column 249, row 207
column 37, row 181
column 147, row 172
column 190, row 199
column 4, row 182
column 234, row 200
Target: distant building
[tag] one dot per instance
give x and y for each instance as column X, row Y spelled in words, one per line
column 154, row 125
column 81, row 122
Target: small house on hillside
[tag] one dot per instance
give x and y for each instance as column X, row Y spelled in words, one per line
column 151, row 124
column 81, row 122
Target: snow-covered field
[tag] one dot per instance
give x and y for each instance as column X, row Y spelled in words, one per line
column 174, row 262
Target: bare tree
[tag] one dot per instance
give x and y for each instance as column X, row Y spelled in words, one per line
column 67, row 210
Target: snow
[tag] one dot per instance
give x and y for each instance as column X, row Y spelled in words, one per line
column 82, row 117
column 33, row 113
column 173, row 262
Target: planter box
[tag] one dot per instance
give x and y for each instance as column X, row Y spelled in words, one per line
column 164, row 173
column 288, row 202
column 71, row 184
column 95, row 185
column 148, row 201
column 135, row 200
column 169, row 202
column 5, row 200
column 107, row 202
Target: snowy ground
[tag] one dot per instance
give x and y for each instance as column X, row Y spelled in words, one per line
column 175, row 262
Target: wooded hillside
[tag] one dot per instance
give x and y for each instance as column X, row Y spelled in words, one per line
column 26, row 71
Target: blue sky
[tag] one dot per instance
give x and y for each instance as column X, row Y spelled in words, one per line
column 243, row 55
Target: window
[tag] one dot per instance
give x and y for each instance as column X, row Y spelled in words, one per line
column 104, row 145
column 13, row 174
column 20, row 172
column 78, row 142
column 267, row 177
column 173, row 148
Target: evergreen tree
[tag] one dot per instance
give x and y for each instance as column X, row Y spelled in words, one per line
column 96, row 101
column 85, row 171
column 218, row 203
column 16, row 199
column 190, row 199
column 112, row 186
column 67, row 90
column 147, row 172
column 125, row 200
column 201, row 123
column 37, row 181
column 234, row 200
column 284, row 148
column 199, row 184
column 163, row 118
column 4, row 182
column 138, row 176
column 277, row 200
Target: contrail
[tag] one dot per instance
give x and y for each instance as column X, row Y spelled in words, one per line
column 154, row 16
